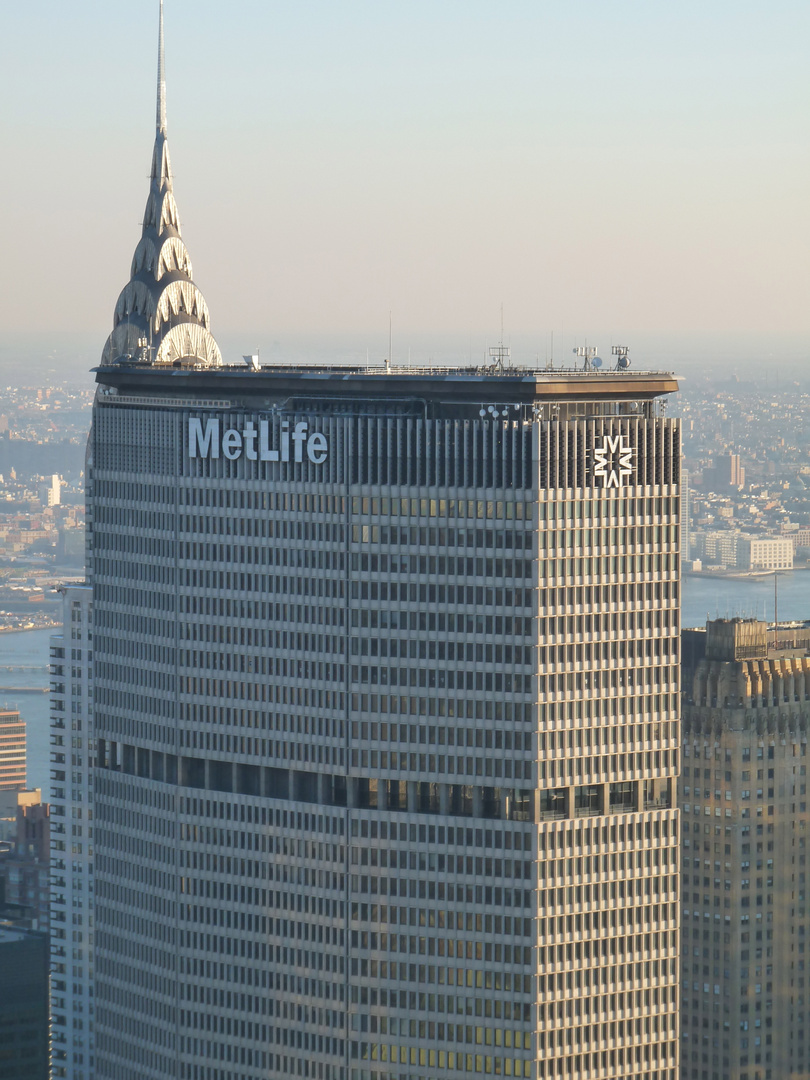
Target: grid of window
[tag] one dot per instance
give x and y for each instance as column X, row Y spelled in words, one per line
column 72, row 841
column 366, row 746
column 743, row 798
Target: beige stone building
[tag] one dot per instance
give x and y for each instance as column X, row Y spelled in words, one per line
column 743, row 796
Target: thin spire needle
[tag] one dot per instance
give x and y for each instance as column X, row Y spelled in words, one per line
column 161, row 86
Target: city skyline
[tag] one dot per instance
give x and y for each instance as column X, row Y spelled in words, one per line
column 592, row 170
column 314, row 593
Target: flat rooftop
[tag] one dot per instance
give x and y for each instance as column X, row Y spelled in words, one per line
column 439, row 386
column 9, row 934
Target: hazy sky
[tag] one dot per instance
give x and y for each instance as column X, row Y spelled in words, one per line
column 595, row 166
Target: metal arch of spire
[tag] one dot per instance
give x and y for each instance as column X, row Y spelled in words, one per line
column 161, row 317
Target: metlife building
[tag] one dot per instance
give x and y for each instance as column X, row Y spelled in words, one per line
column 386, row 703
column 385, row 709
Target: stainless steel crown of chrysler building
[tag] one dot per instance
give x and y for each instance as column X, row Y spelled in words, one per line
column 161, row 316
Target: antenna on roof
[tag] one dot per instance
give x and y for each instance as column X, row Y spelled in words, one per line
column 499, row 355
column 590, row 354
column 390, row 345
column 622, row 359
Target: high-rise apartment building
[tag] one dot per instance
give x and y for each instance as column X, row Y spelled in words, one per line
column 686, row 511
column 726, row 472
column 743, row 797
column 50, row 492
column 386, row 709
column 72, row 893
column 12, row 751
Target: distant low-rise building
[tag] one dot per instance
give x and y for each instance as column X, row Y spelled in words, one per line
column 765, row 553
column 735, row 550
column 716, row 548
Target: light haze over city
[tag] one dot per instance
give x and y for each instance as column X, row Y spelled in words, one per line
column 606, row 171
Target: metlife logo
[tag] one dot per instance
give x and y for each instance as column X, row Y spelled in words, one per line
column 613, row 461
column 209, row 439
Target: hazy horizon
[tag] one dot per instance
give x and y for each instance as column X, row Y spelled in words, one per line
column 29, row 359
column 591, row 166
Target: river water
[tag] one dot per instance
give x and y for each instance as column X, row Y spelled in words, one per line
column 24, row 661
column 707, row 597
column 24, row 656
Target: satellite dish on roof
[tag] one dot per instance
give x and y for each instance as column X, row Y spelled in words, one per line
column 596, row 362
column 622, row 359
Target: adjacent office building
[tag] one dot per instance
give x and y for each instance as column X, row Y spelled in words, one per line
column 743, row 796
column 23, row 1004
column 385, row 666
column 72, row 838
column 12, row 750
column 24, row 864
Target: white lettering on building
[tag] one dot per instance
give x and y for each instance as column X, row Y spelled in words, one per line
column 206, row 439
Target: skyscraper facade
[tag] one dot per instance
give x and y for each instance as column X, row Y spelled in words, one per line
column 387, row 727
column 686, row 511
column 12, row 750
column 71, row 827
column 386, row 709
column 743, row 794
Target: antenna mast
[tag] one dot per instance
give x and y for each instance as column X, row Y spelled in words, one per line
column 775, row 611
column 499, row 355
column 590, row 355
column 161, row 86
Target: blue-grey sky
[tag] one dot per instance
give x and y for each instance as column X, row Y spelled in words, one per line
column 620, row 166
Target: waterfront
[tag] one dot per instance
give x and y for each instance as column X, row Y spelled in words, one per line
column 716, row 597
column 24, row 663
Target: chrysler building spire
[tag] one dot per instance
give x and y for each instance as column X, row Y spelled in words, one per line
column 161, row 84
column 161, row 316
